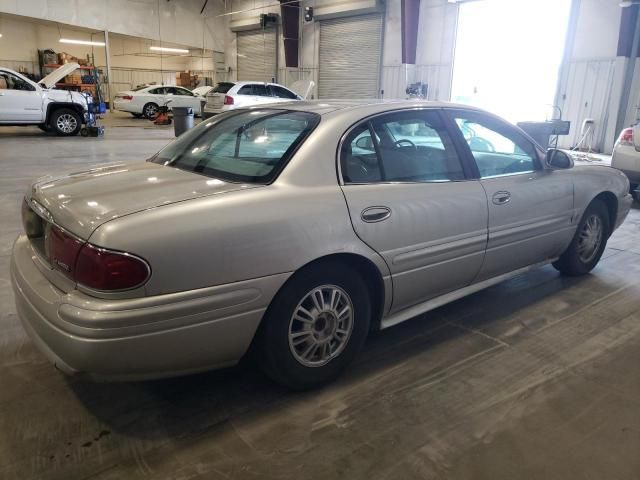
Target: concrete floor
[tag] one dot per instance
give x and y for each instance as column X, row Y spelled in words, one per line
column 535, row 378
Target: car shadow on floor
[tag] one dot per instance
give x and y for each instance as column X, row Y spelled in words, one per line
column 171, row 408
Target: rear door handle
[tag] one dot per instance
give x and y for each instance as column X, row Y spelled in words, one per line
column 375, row 214
column 502, row 197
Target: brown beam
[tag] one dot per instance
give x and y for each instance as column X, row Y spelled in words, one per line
column 290, row 12
column 410, row 17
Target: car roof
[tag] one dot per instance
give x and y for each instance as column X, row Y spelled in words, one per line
column 368, row 107
column 253, row 82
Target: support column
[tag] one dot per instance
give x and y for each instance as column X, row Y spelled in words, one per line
column 107, row 54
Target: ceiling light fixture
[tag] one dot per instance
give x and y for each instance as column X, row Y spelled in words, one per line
column 167, row 49
column 81, row 42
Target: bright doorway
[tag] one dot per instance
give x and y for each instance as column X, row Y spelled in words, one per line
column 508, row 55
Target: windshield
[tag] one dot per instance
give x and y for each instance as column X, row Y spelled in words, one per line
column 222, row 87
column 243, row 146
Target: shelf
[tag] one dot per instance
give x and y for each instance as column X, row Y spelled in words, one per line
column 75, row 84
column 55, row 65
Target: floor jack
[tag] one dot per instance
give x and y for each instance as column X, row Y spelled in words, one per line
column 163, row 115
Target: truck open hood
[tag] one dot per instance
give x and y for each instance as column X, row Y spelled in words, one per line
column 58, row 74
column 81, row 202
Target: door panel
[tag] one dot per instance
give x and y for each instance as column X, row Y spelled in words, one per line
column 408, row 200
column 530, row 208
column 534, row 225
column 433, row 240
column 19, row 101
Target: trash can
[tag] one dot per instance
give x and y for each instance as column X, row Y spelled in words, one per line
column 182, row 119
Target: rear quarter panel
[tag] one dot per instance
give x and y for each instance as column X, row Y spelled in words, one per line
column 236, row 236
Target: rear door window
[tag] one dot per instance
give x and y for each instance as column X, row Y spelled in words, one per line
column 246, row 90
column 283, row 92
column 261, row 90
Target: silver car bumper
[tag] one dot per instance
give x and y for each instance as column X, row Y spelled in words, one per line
column 141, row 338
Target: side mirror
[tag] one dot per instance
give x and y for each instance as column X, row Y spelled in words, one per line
column 559, row 160
column 365, row 143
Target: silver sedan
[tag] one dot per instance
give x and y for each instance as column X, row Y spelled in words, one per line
column 293, row 230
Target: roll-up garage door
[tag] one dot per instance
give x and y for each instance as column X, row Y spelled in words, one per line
column 257, row 55
column 350, row 50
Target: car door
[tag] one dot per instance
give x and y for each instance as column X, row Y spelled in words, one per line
column 411, row 198
column 530, row 207
column 19, row 100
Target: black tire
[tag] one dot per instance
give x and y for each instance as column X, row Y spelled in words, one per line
column 137, row 115
column 44, row 127
column 150, row 110
column 274, row 350
column 635, row 193
column 575, row 262
column 65, row 122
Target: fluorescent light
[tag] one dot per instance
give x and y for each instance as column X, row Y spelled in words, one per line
column 81, row 42
column 167, row 49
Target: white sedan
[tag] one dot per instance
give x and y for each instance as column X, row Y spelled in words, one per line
column 229, row 95
column 145, row 101
column 626, row 157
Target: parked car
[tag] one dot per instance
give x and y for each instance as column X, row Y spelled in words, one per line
column 230, row 95
column 295, row 229
column 145, row 101
column 25, row 102
column 626, row 157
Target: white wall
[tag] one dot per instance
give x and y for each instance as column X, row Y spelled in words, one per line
column 591, row 79
column 179, row 22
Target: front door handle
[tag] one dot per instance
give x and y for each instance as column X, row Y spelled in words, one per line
column 502, row 197
column 375, row 214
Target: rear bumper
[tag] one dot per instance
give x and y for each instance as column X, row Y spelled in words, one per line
column 126, row 107
column 626, row 159
column 142, row 338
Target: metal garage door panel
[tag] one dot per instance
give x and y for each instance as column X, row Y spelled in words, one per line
column 350, row 53
column 257, row 55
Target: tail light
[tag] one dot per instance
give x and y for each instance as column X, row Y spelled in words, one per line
column 626, row 137
column 93, row 267
column 228, row 100
column 127, row 97
column 102, row 269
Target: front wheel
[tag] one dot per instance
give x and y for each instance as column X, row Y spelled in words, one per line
column 588, row 243
column 65, row 122
column 315, row 326
column 635, row 192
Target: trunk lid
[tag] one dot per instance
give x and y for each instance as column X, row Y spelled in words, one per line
column 81, row 202
column 304, row 88
column 54, row 77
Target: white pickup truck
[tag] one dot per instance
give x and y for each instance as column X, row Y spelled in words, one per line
column 24, row 102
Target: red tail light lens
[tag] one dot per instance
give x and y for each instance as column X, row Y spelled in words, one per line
column 127, row 97
column 626, row 137
column 62, row 249
column 102, row 269
column 228, row 100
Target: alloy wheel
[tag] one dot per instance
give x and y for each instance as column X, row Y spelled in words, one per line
column 590, row 238
column 321, row 325
column 66, row 123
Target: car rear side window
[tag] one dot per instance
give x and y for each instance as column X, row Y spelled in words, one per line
column 246, row 90
column 283, row 92
column 245, row 146
column 412, row 146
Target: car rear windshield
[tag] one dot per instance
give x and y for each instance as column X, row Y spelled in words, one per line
column 222, row 87
column 241, row 146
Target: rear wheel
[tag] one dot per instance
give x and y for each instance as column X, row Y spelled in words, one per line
column 588, row 243
column 150, row 110
column 315, row 326
column 65, row 122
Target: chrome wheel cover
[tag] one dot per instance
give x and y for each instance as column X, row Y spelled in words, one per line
column 590, row 238
column 66, row 123
column 321, row 326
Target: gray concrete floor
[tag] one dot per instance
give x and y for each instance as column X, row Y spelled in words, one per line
column 535, row 378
